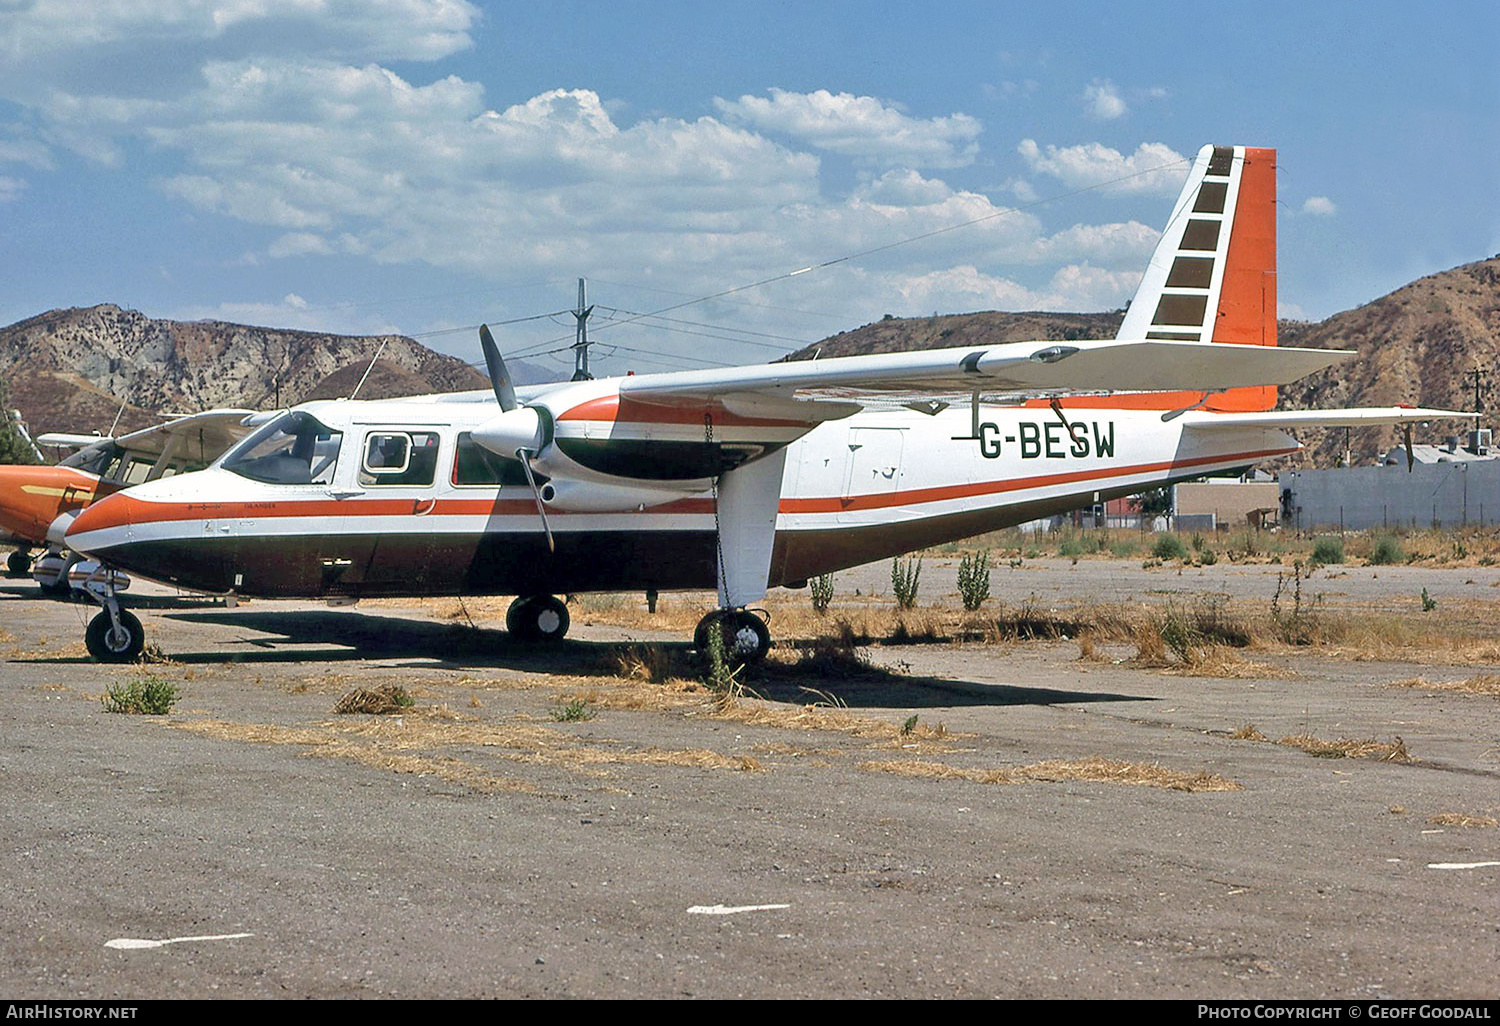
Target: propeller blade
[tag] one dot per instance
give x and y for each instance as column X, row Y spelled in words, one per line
column 524, row 456
column 505, row 392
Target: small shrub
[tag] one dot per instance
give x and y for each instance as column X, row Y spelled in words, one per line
column 904, row 579
column 1387, row 551
column 1071, row 546
column 909, row 727
column 572, row 711
column 1428, row 602
column 1299, row 625
column 149, row 696
column 1328, row 550
column 821, row 590
column 1208, row 557
column 1168, row 547
column 718, row 675
column 381, row 701
column 974, row 580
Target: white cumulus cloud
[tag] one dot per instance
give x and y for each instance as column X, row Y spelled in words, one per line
column 1101, row 100
column 1319, row 206
column 1153, row 168
column 861, row 127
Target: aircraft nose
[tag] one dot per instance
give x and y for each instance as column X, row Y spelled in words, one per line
column 104, row 524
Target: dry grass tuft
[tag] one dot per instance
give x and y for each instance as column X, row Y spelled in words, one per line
column 1091, row 770
column 1248, row 733
column 1459, row 819
column 381, row 701
column 415, row 743
column 1089, row 650
column 1484, row 684
column 834, row 720
column 1346, row 748
column 653, row 664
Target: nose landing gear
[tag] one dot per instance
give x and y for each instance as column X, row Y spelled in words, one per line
column 115, row 635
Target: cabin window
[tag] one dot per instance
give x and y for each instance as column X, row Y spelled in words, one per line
column 474, row 465
column 96, row 458
column 295, row 448
column 399, row 458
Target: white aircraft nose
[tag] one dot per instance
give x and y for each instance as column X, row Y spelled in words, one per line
column 57, row 531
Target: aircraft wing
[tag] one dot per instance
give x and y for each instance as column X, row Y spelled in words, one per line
column 1035, row 367
column 195, row 438
column 1361, row 417
column 65, row 440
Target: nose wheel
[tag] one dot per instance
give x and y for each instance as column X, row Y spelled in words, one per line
column 745, row 636
column 115, row 639
column 18, row 563
column 537, row 618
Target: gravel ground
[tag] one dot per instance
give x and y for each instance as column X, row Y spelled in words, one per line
column 477, row 846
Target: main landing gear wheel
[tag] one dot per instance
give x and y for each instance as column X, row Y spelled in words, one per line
column 537, row 618
column 746, row 637
column 110, row 644
column 18, row 563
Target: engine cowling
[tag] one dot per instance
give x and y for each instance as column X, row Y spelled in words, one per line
column 598, row 497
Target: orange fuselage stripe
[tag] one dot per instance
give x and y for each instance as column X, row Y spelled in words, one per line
column 128, row 509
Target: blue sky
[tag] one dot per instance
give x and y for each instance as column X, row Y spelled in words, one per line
column 422, row 165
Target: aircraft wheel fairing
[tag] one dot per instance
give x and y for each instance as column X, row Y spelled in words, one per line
column 537, row 618
column 60, row 588
column 746, row 637
column 109, row 645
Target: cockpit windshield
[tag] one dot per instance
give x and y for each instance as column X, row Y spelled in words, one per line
column 295, row 448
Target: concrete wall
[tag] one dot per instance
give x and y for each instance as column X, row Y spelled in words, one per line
column 1224, row 504
column 1361, row 498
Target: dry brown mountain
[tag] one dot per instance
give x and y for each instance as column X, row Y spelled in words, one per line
column 1417, row 345
column 69, row 370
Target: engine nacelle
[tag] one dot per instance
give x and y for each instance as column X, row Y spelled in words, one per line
column 526, row 427
column 596, row 497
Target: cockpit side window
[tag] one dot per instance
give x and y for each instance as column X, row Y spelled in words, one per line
column 474, row 465
column 295, row 448
column 399, row 458
column 96, row 459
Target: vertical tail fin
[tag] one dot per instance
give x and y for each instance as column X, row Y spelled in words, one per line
column 1213, row 275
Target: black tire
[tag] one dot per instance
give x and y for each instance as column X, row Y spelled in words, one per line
column 746, row 637
column 109, row 646
column 18, row 564
column 542, row 618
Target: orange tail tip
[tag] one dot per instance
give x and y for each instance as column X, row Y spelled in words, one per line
column 1213, row 275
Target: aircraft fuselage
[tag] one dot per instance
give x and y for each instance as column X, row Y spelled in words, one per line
column 456, row 521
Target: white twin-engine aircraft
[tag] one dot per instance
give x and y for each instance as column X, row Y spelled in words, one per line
column 746, row 478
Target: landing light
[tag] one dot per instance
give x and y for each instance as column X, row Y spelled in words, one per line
column 1053, row 353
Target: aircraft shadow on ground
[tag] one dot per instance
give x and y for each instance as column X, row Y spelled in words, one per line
column 32, row 591
column 367, row 636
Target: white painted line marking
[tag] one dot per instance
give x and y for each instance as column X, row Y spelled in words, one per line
column 132, row 943
column 729, row 910
column 1460, row 865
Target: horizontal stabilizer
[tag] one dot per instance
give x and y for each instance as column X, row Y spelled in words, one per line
column 1368, row 416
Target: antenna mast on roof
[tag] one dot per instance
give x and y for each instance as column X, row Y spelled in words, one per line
column 581, row 345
